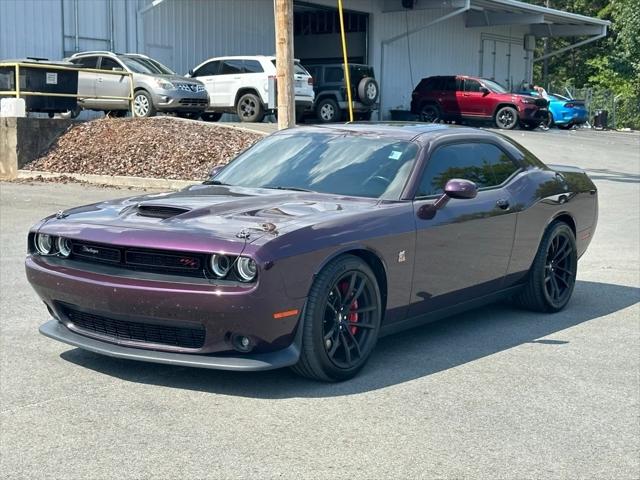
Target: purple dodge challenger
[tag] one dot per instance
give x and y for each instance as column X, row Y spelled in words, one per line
column 311, row 245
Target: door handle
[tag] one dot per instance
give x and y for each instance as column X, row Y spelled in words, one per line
column 503, row 203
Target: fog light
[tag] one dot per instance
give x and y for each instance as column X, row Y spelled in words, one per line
column 241, row 343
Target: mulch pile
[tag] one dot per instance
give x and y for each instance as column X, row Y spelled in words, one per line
column 142, row 147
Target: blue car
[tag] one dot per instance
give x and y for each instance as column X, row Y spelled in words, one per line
column 567, row 112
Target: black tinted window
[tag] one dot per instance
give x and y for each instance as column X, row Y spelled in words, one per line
column 482, row 163
column 252, row 66
column 333, row 74
column 109, row 64
column 230, row 67
column 471, row 85
column 86, row 62
column 210, row 68
column 448, row 84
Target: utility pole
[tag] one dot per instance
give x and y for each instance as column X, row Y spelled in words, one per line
column 284, row 63
column 545, row 62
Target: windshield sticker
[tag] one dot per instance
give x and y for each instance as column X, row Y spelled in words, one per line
column 395, row 155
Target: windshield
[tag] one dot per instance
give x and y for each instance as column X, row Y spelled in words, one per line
column 354, row 165
column 495, row 87
column 145, row 65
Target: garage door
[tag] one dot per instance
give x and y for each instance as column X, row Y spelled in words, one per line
column 503, row 60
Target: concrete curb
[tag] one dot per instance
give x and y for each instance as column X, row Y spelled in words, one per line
column 113, row 180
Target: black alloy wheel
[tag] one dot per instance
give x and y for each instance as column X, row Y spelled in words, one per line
column 430, row 114
column 211, row 116
column 506, row 118
column 341, row 321
column 552, row 276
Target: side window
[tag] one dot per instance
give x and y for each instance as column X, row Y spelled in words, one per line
column 333, row 74
column 209, row 68
column 471, row 85
column 86, row 62
column 482, row 163
column 252, row 66
column 109, row 64
column 231, row 67
column 449, row 84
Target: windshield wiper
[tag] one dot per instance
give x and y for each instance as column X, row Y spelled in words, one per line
column 295, row 189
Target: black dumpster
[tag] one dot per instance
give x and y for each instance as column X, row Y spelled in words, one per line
column 35, row 77
column 600, row 119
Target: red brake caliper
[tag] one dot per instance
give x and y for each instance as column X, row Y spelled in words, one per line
column 352, row 317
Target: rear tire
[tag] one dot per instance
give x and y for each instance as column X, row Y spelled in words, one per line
column 552, row 276
column 430, row 114
column 341, row 321
column 250, row 109
column 506, row 118
column 368, row 91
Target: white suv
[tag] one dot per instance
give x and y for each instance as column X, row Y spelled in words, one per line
column 240, row 85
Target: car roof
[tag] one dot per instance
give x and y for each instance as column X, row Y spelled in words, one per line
column 399, row 130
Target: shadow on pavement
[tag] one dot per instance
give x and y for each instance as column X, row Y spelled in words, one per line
column 613, row 176
column 399, row 358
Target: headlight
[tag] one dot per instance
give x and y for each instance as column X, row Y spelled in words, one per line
column 220, row 264
column 246, row 268
column 44, row 243
column 64, row 246
column 164, row 84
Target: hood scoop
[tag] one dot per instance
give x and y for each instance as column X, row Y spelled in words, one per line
column 159, row 211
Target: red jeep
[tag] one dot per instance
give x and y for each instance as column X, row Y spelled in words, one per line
column 457, row 97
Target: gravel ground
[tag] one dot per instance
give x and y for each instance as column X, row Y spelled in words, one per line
column 161, row 147
column 496, row 393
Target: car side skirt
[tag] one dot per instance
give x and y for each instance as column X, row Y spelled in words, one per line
column 396, row 327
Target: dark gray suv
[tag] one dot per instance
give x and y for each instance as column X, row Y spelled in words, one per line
column 156, row 88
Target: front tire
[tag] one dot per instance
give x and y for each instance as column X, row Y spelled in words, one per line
column 341, row 321
column 552, row 276
column 143, row 105
column 328, row 111
column 506, row 118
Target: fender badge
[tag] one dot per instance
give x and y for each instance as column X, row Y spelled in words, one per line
column 60, row 214
column 402, row 256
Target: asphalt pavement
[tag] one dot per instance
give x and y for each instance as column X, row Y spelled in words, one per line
column 493, row 393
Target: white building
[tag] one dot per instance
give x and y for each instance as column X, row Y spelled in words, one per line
column 404, row 40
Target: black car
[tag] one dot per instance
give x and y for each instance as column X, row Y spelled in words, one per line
column 331, row 101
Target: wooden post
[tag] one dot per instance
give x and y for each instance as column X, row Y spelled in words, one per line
column 284, row 63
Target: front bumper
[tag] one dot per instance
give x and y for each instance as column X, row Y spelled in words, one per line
column 249, row 362
column 180, row 101
column 151, row 301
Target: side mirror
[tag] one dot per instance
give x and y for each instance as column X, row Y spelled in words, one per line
column 215, row 171
column 458, row 188
column 485, row 90
column 190, row 73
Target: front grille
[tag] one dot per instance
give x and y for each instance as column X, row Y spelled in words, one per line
column 95, row 253
column 142, row 259
column 183, row 337
column 162, row 260
column 193, row 102
column 190, row 87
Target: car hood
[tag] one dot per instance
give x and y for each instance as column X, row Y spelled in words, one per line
column 205, row 212
column 175, row 78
